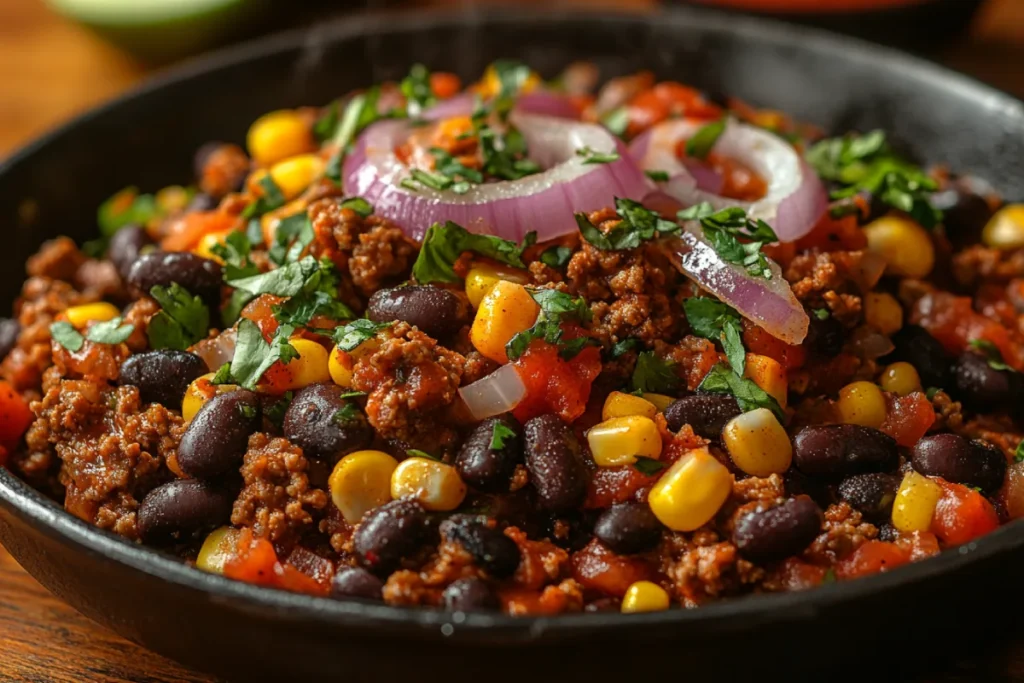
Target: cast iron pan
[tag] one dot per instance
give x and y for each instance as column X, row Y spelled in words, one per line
column 249, row 633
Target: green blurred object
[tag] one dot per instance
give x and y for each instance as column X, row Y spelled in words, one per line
column 164, row 30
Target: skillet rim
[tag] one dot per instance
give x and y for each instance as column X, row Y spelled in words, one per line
column 45, row 517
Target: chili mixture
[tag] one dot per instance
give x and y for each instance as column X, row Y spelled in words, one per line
column 532, row 346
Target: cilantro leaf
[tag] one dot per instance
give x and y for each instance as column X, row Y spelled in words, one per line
column 556, row 257
column 348, row 337
column 722, row 380
column 222, row 376
column 499, row 435
column 234, row 252
column 327, row 122
column 292, row 236
column 702, row 142
column 638, row 225
column 443, row 244
column 654, row 375
column 555, row 307
column 110, row 332
column 591, row 156
column 126, row 207
column 272, row 198
column 648, row 466
column 620, row 348
column 1018, row 454
column 616, row 120
column 822, row 313
column 992, row 354
column 254, row 356
column 359, row 113
column 717, row 321
column 724, row 229
column 657, row 176
column 417, row 453
column 504, row 155
column 182, row 321
column 416, row 88
column 276, row 410
column 347, row 415
column 288, row 280
column 65, row 334
column 362, row 207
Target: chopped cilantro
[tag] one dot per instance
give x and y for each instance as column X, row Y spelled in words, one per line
column 931, row 391
column 992, row 354
column 843, row 208
column 127, row 207
column 254, row 356
column 272, row 198
column 657, row 176
column 717, row 321
column 555, row 307
column 348, row 337
column 443, row 244
column 347, row 414
column 702, row 142
column 556, row 257
column 222, row 376
column 648, row 466
column 638, row 225
column 616, row 120
column 288, row 280
column 724, row 229
column 591, row 156
column 353, row 394
column 1018, row 454
column 749, row 396
column 654, row 375
column 822, row 313
column 457, row 175
column 626, row 345
column 234, row 252
column 362, row 207
column 504, row 156
column 416, row 88
column 65, row 334
column 112, row 331
column 417, row 453
column 327, row 122
column 182, row 321
column 359, row 113
column 276, row 410
column 499, row 435
column 293, row 234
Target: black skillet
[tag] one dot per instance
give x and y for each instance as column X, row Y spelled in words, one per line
column 925, row 611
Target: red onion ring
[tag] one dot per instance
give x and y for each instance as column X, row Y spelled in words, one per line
column 544, row 202
column 541, row 102
column 796, row 198
column 497, row 393
column 459, row 105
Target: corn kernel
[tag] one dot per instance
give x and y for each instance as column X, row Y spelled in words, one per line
column 311, row 367
column 435, row 485
column 217, row 549
column 360, row 482
column 279, row 135
column 901, row 379
column 199, row 392
column 644, row 596
column 768, row 374
column 883, row 312
column 660, row 401
column 915, row 502
column 208, row 241
column 758, row 444
column 619, row 440
column 505, row 311
column 1005, row 230
column 295, row 174
column 619, row 404
column 80, row 316
column 905, row 246
column 691, row 491
column 862, row 403
column 490, row 85
column 483, row 276
column 340, row 366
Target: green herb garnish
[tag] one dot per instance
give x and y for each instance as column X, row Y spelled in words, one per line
column 591, row 156
column 348, row 337
column 556, row 257
column 499, row 435
column 555, row 308
column 639, row 224
column 653, row 374
column 657, row 176
column 717, row 321
column 702, row 142
column 648, row 466
column 726, row 228
column 722, row 380
column 443, row 244
column 182, row 321
column 992, row 354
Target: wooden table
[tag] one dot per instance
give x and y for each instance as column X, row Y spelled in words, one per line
column 49, row 71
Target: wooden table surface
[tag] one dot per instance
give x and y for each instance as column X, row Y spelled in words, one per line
column 51, row 70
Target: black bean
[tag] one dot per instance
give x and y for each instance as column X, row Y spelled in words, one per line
column 961, row 461
column 707, row 414
column 980, row 387
column 125, row 247
column 470, row 595
column 914, row 345
column 200, row 276
column 355, row 583
column 10, row 328
column 555, row 463
column 162, row 376
column 825, row 337
column 436, row 311
column 778, row 532
column 182, row 506
column 491, row 549
column 491, row 469
column 218, row 436
column 390, row 534
column 965, row 213
column 628, row 528
column 872, row 494
column 838, row 450
column 324, row 425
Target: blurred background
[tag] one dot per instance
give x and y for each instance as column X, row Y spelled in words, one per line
column 60, row 57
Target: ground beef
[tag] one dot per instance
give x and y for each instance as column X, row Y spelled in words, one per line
column 540, row 562
column 828, row 280
column 693, row 358
column 94, row 361
column 843, row 532
column 424, row 587
column 112, row 448
column 410, row 379
column 276, row 501
column 373, row 251
column 702, row 566
column 977, row 262
column 139, row 313
column 60, row 259
column 948, row 414
column 223, row 170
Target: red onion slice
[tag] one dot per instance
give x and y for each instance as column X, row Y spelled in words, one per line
column 544, row 202
column 795, row 200
column 497, row 393
column 769, row 303
column 216, row 351
column 541, row 102
column 459, row 105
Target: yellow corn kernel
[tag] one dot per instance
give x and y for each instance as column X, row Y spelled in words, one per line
column 340, row 366
column 482, row 276
column 208, row 241
column 901, row 379
column 619, row 404
column 435, row 485
column 279, row 135
column 504, row 312
column 862, row 403
column 644, row 596
column 619, row 440
column 905, row 245
column 1005, row 230
column 883, row 312
column 311, row 367
column 768, row 374
column 660, row 401
column 101, row 312
column 690, row 493
column 490, row 84
column 199, row 392
column 915, row 502
column 360, row 482
column 217, row 549
column 758, row 444
column 295, row 174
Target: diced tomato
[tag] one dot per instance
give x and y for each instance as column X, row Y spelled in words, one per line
column 834, row 234
column 519, row 601
column 15, row 417
column 908, row 417
column 444, row 84
column 261, row 311
column 758, row 341
column 256, row 562
column 739, row 181
column 962, row 514
column 553, row 384
column 612, row 485
column 871, row 558
column 599, row 569
column 920, row 544
column 184, row 233
column 954, row 322
column 795, row 574
column 664, row 100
